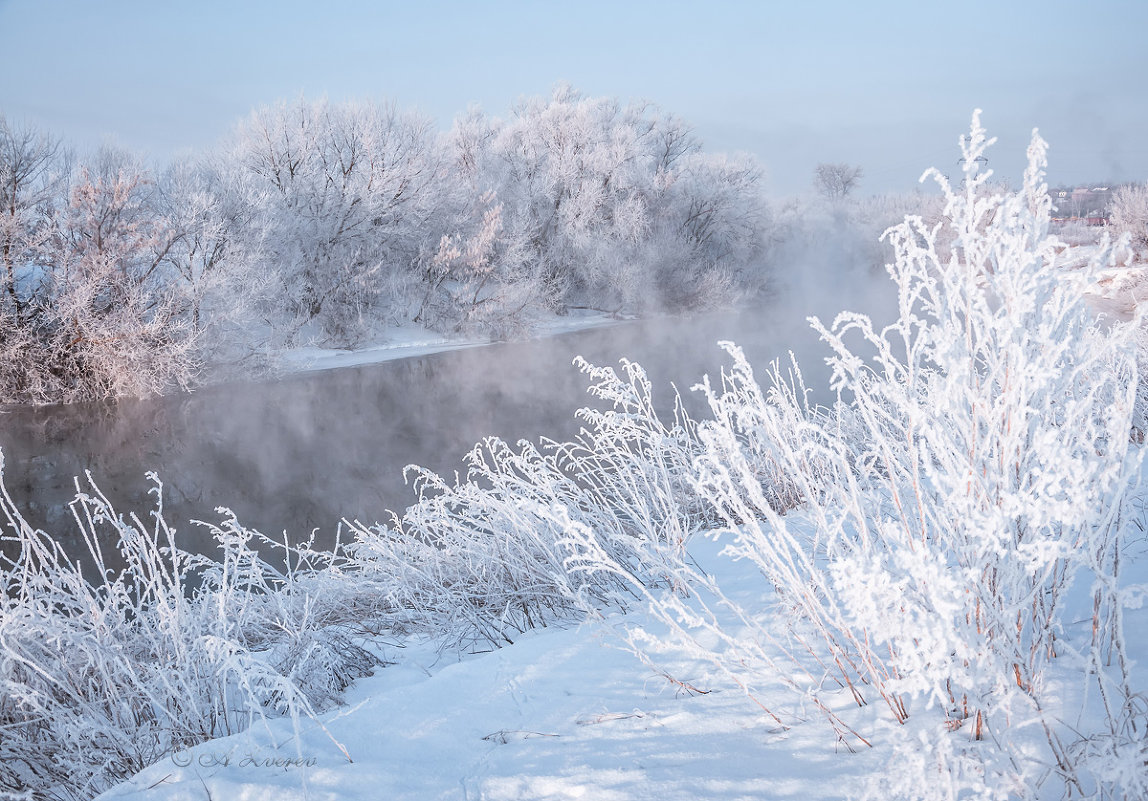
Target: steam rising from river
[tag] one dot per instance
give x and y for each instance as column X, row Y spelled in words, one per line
column 302, row 453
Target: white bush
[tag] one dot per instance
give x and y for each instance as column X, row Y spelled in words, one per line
column 980, row 468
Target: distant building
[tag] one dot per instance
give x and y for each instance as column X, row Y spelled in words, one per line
column 1086, row 204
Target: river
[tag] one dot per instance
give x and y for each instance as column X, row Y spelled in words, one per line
column 305, row 451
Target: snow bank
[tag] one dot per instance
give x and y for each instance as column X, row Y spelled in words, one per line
column 561, row 714
column 411, row 341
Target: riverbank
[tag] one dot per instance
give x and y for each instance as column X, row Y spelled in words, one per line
column 560, row 714
column 413, row 341
column 570, row 713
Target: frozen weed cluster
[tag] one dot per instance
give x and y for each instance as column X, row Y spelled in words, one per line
column 483, row 559
column 104, row 671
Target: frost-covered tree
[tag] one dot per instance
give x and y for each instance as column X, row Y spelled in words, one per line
column 575, row 185
column 115, row 325
column 214, row 266
column 31, row 176
column 348, row 198
column 1129, row 214
column 615, row 205
column 96, row 317
column 711, row 238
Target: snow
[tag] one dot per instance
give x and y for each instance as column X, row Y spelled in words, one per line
column 566, row 713
column 412, row 340
column 561, row 714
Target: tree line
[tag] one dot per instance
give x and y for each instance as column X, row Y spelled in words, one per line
column 324, row 223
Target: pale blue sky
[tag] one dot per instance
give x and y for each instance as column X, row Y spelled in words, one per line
column 887, row 85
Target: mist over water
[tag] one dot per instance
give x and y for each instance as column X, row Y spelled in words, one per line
column 303, row 452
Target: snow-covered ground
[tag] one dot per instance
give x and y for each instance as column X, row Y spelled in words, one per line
column 561, row 714
column 412, row 340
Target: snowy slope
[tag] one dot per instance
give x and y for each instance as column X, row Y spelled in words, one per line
column 561, row 714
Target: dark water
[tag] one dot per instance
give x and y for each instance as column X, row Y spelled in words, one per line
column 304, row 452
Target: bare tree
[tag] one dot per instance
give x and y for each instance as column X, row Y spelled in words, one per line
column 836, row 181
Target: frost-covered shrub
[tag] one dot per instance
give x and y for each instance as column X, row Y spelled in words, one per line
column 480, row 560
column 976, row 476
